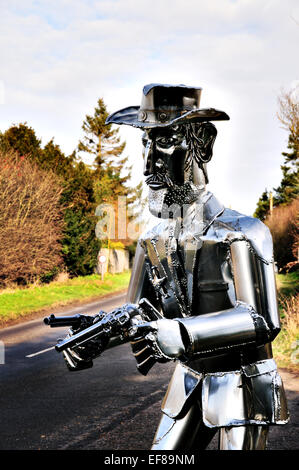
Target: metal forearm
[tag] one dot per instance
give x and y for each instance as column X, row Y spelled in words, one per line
column 211, row 333
column 234, row 327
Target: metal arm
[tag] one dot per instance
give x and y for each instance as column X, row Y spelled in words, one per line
column 254, row 319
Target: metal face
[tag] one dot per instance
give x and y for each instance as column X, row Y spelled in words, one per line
column 175, row 164
column 168, row 171
column 164, row 156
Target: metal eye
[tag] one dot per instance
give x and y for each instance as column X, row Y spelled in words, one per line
column 164, row 141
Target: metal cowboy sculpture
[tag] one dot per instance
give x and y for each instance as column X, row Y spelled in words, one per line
column 202, row 291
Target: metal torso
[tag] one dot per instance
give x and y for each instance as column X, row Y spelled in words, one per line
column 188, row 273
column 172, row 249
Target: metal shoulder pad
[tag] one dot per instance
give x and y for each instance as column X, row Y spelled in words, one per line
column 255, row 283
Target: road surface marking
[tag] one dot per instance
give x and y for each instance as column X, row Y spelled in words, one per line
column 40, row 352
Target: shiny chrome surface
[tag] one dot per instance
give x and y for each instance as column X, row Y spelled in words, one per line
column 137, row 280
column 216, row 331
column 248, row 396
column 177, row 434
column 208, row 271
column 245, row 278
column 269, row 296
column 182, row 385
column 243, row 438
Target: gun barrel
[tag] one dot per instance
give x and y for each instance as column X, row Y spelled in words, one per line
column 79, row 338
column 71, row 320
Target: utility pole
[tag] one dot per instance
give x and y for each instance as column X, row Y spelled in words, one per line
column 271, row 202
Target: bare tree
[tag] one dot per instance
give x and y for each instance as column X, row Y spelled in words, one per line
column 283, row 224
column 288, row 113
column 30, row 220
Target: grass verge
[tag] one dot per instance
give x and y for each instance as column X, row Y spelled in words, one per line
column 18, row 303
column 286, row 344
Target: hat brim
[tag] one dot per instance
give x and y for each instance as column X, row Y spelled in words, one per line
column 129, row 116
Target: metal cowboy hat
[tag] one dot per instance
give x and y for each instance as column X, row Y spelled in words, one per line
column 166, row 105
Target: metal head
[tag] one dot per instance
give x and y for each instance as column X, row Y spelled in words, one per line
column 175, row 165
column 178, row 141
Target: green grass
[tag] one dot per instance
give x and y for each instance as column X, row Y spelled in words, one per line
column 288, row 284
column 16, row 303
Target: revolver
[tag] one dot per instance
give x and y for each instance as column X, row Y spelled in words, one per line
column 114, row 327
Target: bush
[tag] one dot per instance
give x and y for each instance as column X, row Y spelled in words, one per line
column 286, row 345
column 283, row 224
column 30, row 220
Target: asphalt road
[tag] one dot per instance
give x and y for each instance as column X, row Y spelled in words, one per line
column 110, row 406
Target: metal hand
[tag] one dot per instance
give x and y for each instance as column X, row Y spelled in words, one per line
column 156, row 341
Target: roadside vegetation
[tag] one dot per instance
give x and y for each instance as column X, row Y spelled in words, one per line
column 279, row 210
column 49, row 201
column 19, row 303
column 286, row 345
column 49, row 247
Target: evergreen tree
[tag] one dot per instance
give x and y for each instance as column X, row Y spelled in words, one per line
column 263, row 206
column 52, row 158
column 80, row 245
column 289, row 185
column 100, row 140
column 22, row 139
column 111, row 170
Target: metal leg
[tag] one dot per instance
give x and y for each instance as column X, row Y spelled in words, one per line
column 183, row 434
column 176, row 434
column 250, row 437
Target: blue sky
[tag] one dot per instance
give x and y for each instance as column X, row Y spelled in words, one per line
column 58, row 58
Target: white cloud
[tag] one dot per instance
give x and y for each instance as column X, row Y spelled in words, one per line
column 58, row 58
